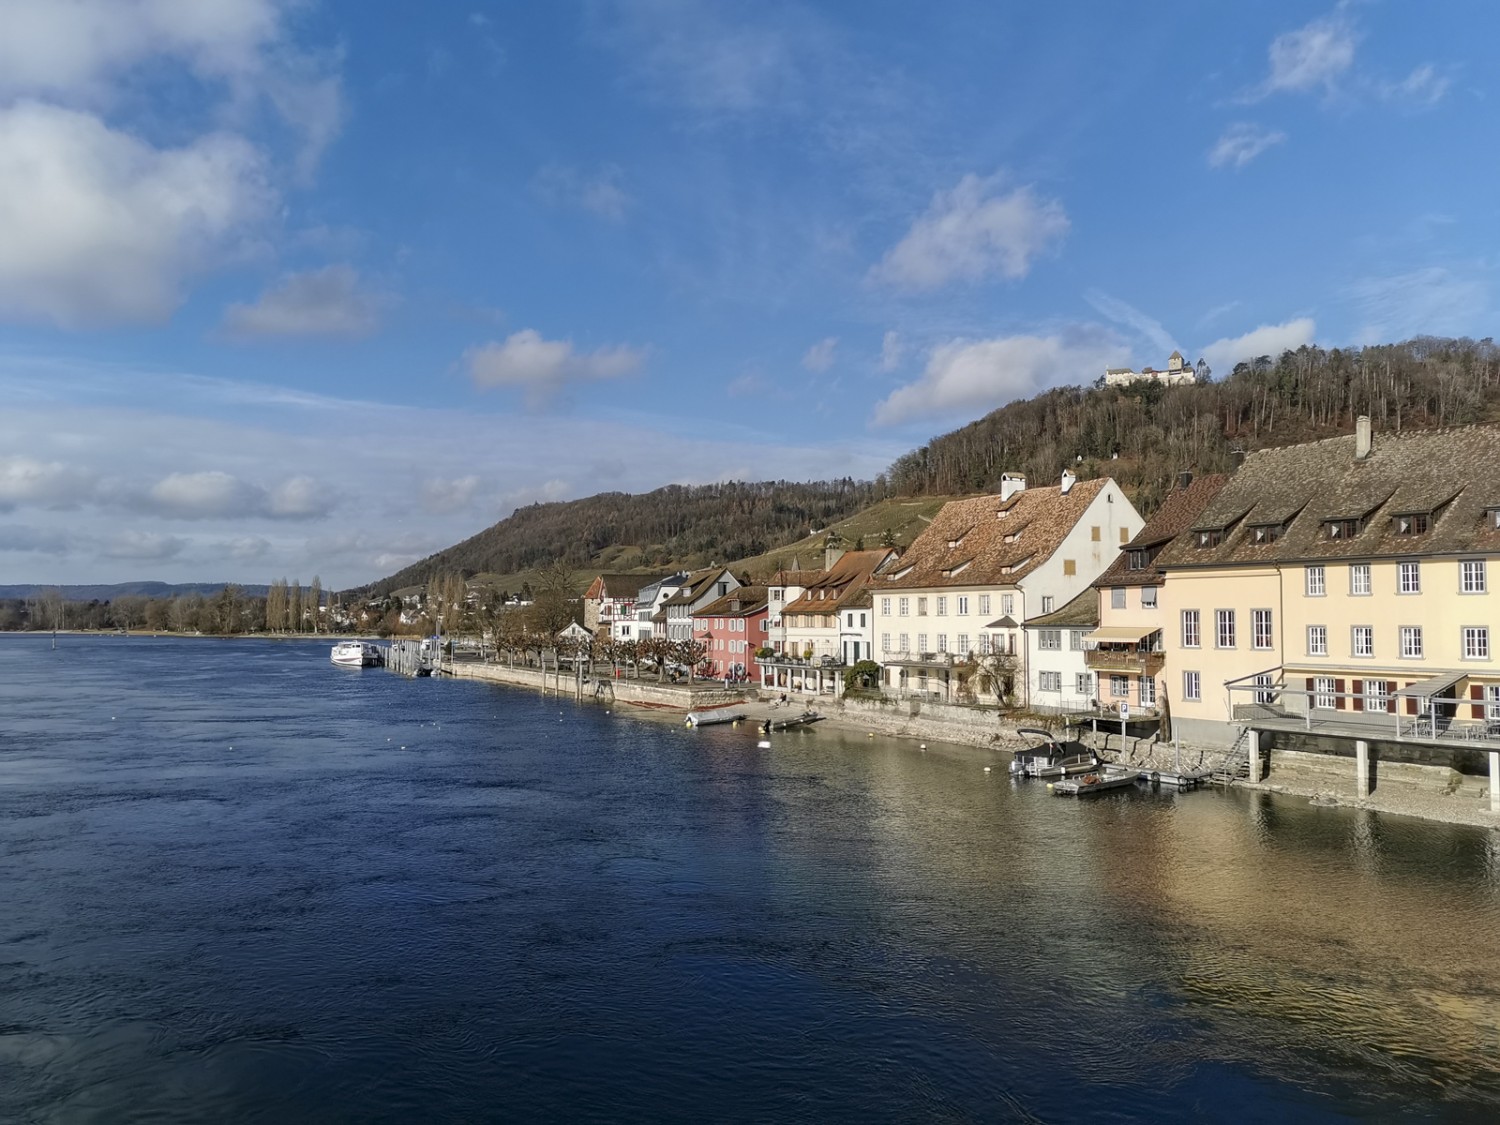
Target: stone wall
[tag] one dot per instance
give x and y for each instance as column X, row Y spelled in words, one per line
column 596, row 687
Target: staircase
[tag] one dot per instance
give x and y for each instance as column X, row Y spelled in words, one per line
column 1235, row 764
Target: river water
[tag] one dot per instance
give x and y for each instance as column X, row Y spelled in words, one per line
column 238, row 884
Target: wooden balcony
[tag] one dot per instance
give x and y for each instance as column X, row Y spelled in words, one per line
column 1117, row 660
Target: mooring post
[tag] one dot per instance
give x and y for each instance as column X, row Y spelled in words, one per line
column 1362, row 768
column 1495, row 781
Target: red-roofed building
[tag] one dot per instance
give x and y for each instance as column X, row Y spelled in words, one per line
column 732, row 628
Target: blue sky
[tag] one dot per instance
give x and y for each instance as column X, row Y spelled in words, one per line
column 297, row 287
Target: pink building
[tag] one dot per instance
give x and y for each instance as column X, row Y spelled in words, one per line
column 732, row 629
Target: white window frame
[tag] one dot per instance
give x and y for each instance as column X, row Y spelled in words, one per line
column 1472, row 578
column 1360, row 583
column 1146, row 690
column 1492, row 701
column 1049, row 681
column 942, row 606
column 963, row 644
column 1315, row 581
column 1325, row 689
column 1192, row 687
column 1048, row 601
column 1224, row 631
column 921, row 606
column 1007, row 605
column 1148, row 597
column 984, row 604
column 1411, row 642
column 1317, row 640
column 1075, row 640
column 1476, row 642
column 1117, row 597
column 963, row 605
column 885, row 607
column 922, row 643
column 1377, row 700
column 942, row 642
column 1409, row 578
column 1261, row 630
column 1083, row 683
column 1265, row 682
column 903, row 607
column 1192, row 628
column 1119, row 686
column 885, row 642
column 1368, row 633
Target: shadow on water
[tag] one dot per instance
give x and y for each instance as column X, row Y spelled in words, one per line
column 241, row 884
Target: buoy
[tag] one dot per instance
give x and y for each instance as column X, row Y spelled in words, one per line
column 924, row 746
column 986, row 769
column 763, row 745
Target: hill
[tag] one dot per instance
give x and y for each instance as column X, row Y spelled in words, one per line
column 109, row 592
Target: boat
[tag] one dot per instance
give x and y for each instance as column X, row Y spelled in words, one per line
column 710, row 717
column 1096, row 782
column 802, row 720
column 1051, row 758
column 356, row 654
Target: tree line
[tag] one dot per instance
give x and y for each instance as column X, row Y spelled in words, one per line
column 286, row 608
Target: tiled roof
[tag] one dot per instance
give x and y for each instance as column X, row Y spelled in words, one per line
column 626, row 585
column 1081, row 611
column 750, row 599
column 969, row 542
column 843, row 581
column 1448, row 475
column 694, row 586
column 1177, row 513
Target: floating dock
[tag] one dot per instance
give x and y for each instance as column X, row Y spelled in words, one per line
column 1090, row 784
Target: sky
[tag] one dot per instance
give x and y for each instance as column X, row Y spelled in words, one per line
column 318, row 287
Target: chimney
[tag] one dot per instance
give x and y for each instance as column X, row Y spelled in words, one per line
column 1067, row 481
column 1010, row 484
column 831, row 554
column 1184, row 478
column 1362, row 437
column 1238, row 457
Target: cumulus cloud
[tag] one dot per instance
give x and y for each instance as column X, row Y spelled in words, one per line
column 1313, row 56
column 197, row 496
column 449, row 495
column 25, row 481
column 980, row 375
column 144, row 546
column 325, row 302
column 973, row 232
column 598, row 193
column 541, row 367
column 819, row 357
column 99, row 227
column 1241, row 143
column 246, row 548
column 1268, row 339
column 891, row 351
column 298, row 498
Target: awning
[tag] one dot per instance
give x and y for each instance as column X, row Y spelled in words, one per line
column 1433, row 685
column 1121, row 634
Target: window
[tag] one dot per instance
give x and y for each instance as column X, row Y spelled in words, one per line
column 1317, row 640
column 1047, row 603
column 776, row 597
column 921, row 607
column 984, row 603
column 1224, row 625
column 905, row 646
column 1263, row 685
column 1117, row 597
column 1260, row 628
column 963, row 644
column 984, row 644
column 1050, row 681
column 904, row 606
column 1075, row 640
column 1070, row 568
column 922, row 643
column 861, row 619
column 1313, row 582
column 1148, row 691
column 1492, row 701
column 885, row 607
column 1411, row 642
column 1191, row 637
column 1266, row 532
column 1377, row 695
column 942, row 607
column 1148, row 597
column 942, row 642
column 1210, row 538
column 1124, row 536
column 1324, row 695
column 1415, row 524
column 1362, row 640
column 1472, row 578
column 1049, row 640
column 1007, row 604
column 1476, row 642
column 1083, row 683
column 1094, row 534
column 1341, row 529
column 1191, row 687
column 1411, row 578
column 1135, row 560
column 963, row 605
column 1359, row 580
column 1119, row 686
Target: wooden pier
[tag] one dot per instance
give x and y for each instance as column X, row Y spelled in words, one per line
column 406, row 658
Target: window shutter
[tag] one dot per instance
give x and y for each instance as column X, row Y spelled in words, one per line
column 1358, row 688
column 1338, row 698
column 1411, row 705
column 1476, row 693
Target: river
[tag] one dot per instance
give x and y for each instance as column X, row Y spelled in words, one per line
column 239, row 884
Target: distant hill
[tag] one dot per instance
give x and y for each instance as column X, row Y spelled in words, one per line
column 125, row 589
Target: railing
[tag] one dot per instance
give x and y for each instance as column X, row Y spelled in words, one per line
column 1111, row 660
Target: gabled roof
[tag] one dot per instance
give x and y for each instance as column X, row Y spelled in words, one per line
column 698, row 583
column 1178, row 512
column 984, row 541
column 1449, row 475
column 1081, row 612
column 746, row 601
column 620, row 585
column 844, row 580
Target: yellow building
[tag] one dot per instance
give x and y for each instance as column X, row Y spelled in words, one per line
column 1338, row 593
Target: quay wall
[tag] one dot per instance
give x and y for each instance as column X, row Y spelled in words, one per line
column 596, row 687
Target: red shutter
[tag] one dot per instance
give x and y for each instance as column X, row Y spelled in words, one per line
column 1390, row 703
column 1358, row 688
column 1476, row 693
column 1338, row 697
column 1411, row 703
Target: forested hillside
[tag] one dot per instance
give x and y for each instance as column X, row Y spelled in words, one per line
column 679, row 525
column 1143, row 433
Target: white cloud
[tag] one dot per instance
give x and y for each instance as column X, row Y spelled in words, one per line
column 746, row 385
column 51, row 484
column 442, row 494
column 820, row 356
column 1268, row 339
column 144, row 546
column 325, row 302
column 599, row 192
column 1313, row 56
column 247, row 548
column 979, row 375
column 98, row 227
column 299, row 498
column 891, row 351
column 973, row 232
column 206, row 495
column 1121, row 312
column 1434, row 300
column 1241, row 143
column 542, row 366
column 1423, row 87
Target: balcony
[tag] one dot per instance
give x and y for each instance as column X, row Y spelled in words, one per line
column 1124, row 660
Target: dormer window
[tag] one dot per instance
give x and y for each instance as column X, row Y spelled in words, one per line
column 959, row 569
column 904, row 571
column 1493, row 516
column 1267, row 532
column 1341, row 529
column 1208, row 538
column 959, row 538
column 1417, row 523
column 1136, row 559
column 1013, row 537
column 1003, row 513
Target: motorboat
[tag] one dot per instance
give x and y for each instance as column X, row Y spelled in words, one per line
column 356, row 654
column 1095, row 782
column 1051, row 757
column 713, row 716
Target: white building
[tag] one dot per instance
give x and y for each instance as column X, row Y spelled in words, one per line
column 814, row 622
column 1058, row 677
column 1178, row 373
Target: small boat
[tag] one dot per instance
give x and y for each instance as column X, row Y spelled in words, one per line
column 801, row 720
column 717, row 715
column 1092, row 784
column 1051, row 758
column 356, row 654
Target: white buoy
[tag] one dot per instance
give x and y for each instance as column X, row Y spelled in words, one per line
column 924, row 746
column 986, row 769
column 763, row 745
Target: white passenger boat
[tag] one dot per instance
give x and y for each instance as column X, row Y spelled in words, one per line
column 356, row 654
